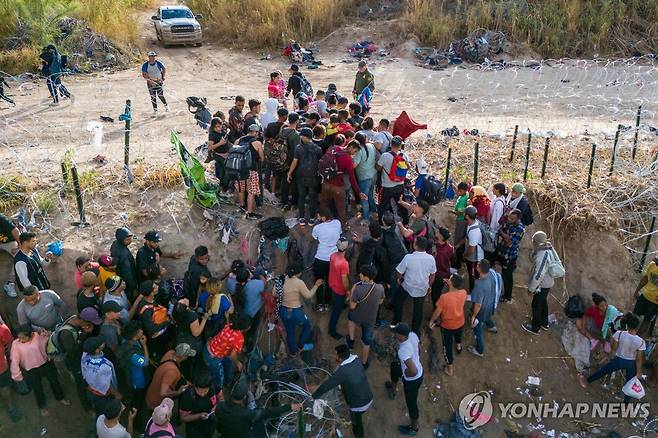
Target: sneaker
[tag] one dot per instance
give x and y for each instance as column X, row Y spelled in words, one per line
column 311, row 222
column 302, row 222
column 10, row 289
column 528, row 327
column 471, row 349
column 493, row 329
column 407, row 430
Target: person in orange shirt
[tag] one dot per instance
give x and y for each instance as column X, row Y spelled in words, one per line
column 449, row 312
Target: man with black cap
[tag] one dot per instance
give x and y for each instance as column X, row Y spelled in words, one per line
column 409, row 368
column 250, row 185
column 98, row 372
column 235, row 420
column 305, row 169
column 392, row 180
column 353, row 380
column 124, row 260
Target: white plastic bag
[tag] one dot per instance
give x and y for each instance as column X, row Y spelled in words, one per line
column 633, row 388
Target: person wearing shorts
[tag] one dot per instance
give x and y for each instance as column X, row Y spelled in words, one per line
column 250, row 186
column 365, row 298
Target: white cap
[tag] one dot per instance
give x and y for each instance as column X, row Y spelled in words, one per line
column 421, row 165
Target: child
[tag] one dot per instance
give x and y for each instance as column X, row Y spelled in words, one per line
column 277, row 87
column 419, row 184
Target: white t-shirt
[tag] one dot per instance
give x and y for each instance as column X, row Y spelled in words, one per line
column 103, row 431
column 383, row 137
column 629, row 345
column 386, row 161
column 474, row 237
column 417, row 268
column 409, row 350
column 327, row 235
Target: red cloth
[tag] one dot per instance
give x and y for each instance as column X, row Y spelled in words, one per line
column 404, row 126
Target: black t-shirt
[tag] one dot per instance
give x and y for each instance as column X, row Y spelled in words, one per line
column 216, row 137
column 145, row 258
column 193, row 403
column 6, row 227
column 84, row 301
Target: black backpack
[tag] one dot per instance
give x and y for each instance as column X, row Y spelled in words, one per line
column 308, row 163
column 433, row 191
column 239, row 160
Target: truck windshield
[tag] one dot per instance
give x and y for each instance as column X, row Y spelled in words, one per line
column 176, row 13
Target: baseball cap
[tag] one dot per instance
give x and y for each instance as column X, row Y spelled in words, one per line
column 106, row 261
column 90, row 314
column 397, row 140
column 185, row 350
column 90, row 345
column 401, row 329
column 342, row 244
column 162, row 412
column 112, row 283
column 294, row 67
column 111, row 306
column 306, row 132
column 254, row 128
column 422, row 167
column 152, row 53
column 152, row 236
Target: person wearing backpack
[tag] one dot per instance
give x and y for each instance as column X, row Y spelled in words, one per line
column 364, row 157
column 393, row 166
column 249, row 184
column 517, row 200
column 540, row 283
column 474, row 240
column 304, row 167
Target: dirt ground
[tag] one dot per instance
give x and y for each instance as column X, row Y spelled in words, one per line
column 566, row 98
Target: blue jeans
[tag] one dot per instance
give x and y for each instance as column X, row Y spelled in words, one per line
column 221, row 369
column 336, row 310
column 291, row 318
column 367, row 186
column 630, row 366
column 479, row 334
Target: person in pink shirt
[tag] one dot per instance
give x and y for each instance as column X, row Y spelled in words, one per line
column 29, row 361
column 339, row 272
column 82, row 265
column 5, row 377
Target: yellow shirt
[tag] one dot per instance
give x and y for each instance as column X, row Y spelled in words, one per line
column 650, row 290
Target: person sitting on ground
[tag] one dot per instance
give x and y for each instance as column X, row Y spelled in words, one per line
column 629, row 354
column 304, row 167
column 292, row 310
column 30, row 362
column 87, row 296
column 42, row 309
column 483, row 297
column 364, row 300
column 167, row 379
column 82, row 265
column 353, row 380
column 408, row 367
column 235, row 420
column 222, row 352
column 108, row 425
column 449, row 314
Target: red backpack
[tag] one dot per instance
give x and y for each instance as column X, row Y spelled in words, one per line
column 399, row 168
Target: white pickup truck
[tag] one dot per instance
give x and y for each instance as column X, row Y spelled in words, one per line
column 177, row 25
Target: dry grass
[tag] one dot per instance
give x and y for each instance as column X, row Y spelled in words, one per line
column 271, row 23
column 554, row 28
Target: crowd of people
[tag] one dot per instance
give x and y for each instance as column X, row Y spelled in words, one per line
column 173, row 351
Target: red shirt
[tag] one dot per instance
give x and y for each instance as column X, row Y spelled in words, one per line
column 345, row 166
column 5, row 342
column 443, row 257
column 226, row 342
column 595, row 315
column 338, row 267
